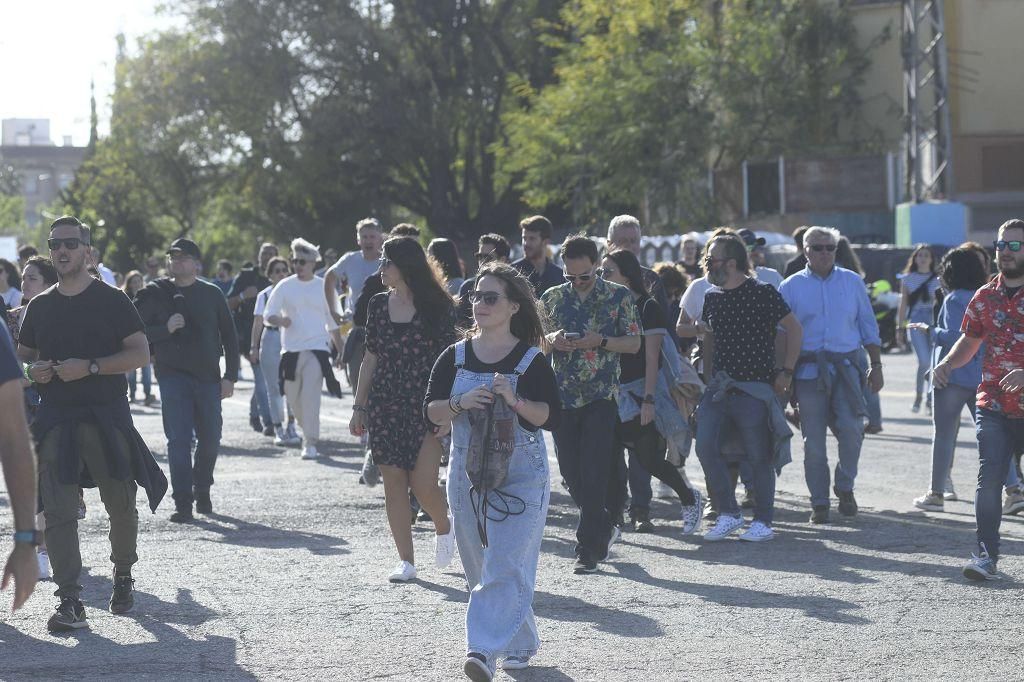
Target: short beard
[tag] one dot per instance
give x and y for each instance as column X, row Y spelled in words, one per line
column 717, row 277
column 1014, row 271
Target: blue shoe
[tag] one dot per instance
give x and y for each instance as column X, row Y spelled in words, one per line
column 981, row 567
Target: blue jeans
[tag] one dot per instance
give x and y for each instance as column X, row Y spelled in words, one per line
column 817, row 412
column 749, row 417
column 585, row 445
column 190, row 406
column 147, row 381
column 949, row 404
column 921, row 342
column 998, row 438
column 259, row 403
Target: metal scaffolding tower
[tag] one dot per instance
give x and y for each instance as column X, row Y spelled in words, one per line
column 927, row 136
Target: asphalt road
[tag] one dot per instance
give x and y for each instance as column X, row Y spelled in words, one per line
column 288, row 580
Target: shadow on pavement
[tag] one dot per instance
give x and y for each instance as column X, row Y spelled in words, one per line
column 539, row 672
column 173, row 654
column 451, row 594
column 573, row 610
column 235, row 531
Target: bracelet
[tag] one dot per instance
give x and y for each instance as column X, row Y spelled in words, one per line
column 455, row 404
column 358, row 408
column 876, row 365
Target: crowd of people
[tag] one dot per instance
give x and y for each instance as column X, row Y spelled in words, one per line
column 455, row 378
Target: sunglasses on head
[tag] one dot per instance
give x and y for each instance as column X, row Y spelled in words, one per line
column 70, row 243
column 486, row 297
column 300, row 261
column 822, row 247
column 1002, row 245
column 580, row 278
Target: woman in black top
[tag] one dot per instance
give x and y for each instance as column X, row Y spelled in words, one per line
column 640, row 434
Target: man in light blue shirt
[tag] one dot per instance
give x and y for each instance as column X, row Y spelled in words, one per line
column 835, row 312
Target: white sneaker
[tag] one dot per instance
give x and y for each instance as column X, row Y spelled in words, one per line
column 691, row 513
column 403, row 573
column 949, row 493
column 309, row 452
column 725, row 526
column 616, row 533
column 757, row 532
column 44, row 565
column 515, row 663
column 444, row 546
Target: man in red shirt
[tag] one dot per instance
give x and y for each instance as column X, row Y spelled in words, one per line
column 995, row 317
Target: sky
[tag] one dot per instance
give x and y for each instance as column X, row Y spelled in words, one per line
column 43, row 76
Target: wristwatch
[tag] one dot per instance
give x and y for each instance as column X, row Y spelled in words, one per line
column 649, row 399
column 604, row 342
column 94, row 368
column 31, row 537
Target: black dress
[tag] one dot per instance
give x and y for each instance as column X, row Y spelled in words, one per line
column 405, row 355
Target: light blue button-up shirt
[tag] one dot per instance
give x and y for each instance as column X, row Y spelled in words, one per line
column 835, row 313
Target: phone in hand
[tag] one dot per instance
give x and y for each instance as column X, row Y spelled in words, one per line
column 572, row 336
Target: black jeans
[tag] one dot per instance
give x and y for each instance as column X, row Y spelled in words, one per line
column 584, row 443
column 648, row 446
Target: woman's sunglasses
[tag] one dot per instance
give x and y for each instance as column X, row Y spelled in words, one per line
column 301, row 262
column 486, row 297
column 1000, row 245
column 384, row 262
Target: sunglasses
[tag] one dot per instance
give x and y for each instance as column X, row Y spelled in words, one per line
column 1001, row 245
column 822, row 247
column 70, row 243
column 484, row 257
column 485, row 297
column 580, row 278
column 300, row 261
column 384, row 262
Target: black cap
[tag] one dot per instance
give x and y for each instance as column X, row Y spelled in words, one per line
column 749, row 238
column 185, row 246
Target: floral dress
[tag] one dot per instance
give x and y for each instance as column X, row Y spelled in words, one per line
column 405, row 352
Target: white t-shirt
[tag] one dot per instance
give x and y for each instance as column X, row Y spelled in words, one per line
column 304, row 304
column 692, row 302
column 261, row 301
column 769, row 276
column 353, row 268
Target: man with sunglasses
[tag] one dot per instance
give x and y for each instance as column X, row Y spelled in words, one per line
column 189, row 325
column 995, row 317
column 297, row 306
column 80, row 337
column 596, row 320
column 832, row 305
column 490, row 248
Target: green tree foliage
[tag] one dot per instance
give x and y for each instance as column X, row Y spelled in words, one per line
column 12, row 205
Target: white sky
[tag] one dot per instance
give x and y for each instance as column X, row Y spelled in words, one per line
column 50, row 49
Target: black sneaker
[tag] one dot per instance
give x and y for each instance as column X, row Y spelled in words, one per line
column 203, row 503
column 847, row 502
column 255, row 423
column 819, row 514
column 70, row 616
column 122, row 598
column 642, row 521
column 182, row 514
column 476, row 668
column 268, row 431
column 748, row 501
column 584, row 565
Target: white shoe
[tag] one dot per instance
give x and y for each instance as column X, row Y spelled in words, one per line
column 616, row 534
column 309, row 452
column 757, row 532
column 725, row 526
column 403, row 573
column 444, row 546
column 691, row 513
column 44, row 565
column 516, row 663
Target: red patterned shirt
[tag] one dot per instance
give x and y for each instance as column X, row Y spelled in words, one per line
column 1000, row 322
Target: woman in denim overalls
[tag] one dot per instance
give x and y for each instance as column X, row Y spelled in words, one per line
column 501, row 350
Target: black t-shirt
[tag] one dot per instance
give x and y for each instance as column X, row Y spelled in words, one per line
column 91, row 325
column 246, row 278
column 633, row 365
column 372, row 286
column 537, row 383
column 10, row 368
column 744, row 321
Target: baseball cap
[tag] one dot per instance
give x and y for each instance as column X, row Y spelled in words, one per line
column 749, row 238
column 185, row 246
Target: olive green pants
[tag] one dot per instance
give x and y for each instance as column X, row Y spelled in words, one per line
column 60, row 507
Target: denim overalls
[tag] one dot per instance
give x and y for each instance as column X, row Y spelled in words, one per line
column 501, row 576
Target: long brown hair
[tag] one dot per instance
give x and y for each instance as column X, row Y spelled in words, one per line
column 912, row 267
column 527, row 324
column 423, row 276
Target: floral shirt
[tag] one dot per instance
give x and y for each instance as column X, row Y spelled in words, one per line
column 588, row 375
column 1000, row 322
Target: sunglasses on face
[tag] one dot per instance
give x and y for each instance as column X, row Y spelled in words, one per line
column 822, row 247
column 579, row 278
column 1002, row 245
column 69, row 243
column 384, row 262
column 300, row 261
column 485, row 297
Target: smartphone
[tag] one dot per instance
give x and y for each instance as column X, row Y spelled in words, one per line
column 572, row 336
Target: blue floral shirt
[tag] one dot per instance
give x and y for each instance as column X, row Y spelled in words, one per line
column 588, row 375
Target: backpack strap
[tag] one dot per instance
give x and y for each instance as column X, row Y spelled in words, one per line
column 528, row 357
column 460, row 354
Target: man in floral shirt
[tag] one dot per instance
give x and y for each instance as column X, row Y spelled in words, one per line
column 995, row 317
column 595, row 321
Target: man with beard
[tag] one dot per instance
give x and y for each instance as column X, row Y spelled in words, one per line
column 994, row 317
column 742, row 316
column 188, row 323
column 242, row 301
column 80, row 337
column 535, row 264
column 835, row 312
